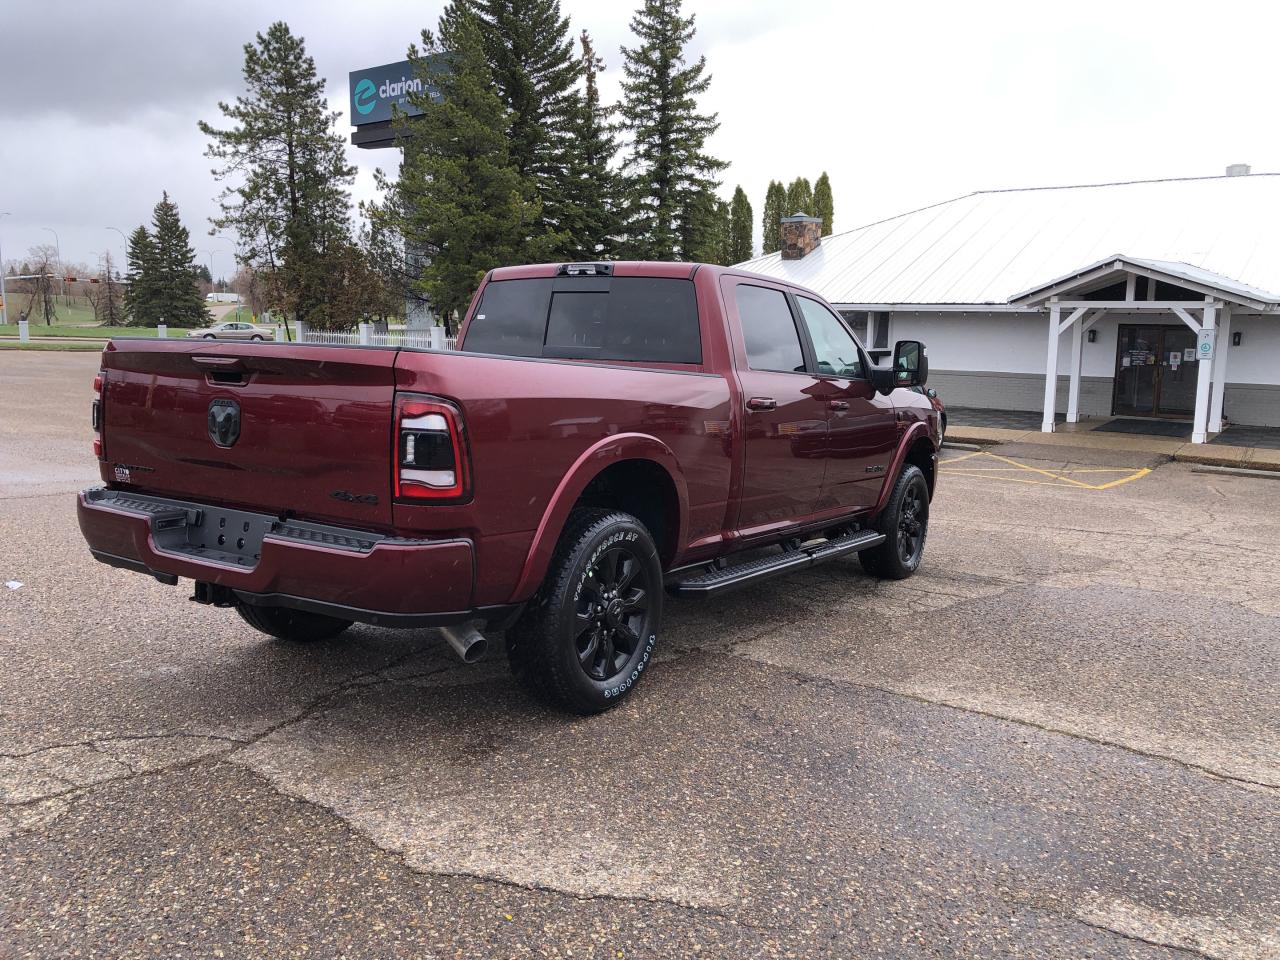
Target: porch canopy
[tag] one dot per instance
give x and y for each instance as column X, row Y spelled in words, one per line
column 1149, row 289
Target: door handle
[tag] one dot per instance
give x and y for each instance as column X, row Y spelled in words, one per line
column 839, row 404
column 762, row 403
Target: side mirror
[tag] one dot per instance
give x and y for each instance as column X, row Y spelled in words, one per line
column 910, row 365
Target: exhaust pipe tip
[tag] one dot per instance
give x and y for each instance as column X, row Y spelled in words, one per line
column 467, row 642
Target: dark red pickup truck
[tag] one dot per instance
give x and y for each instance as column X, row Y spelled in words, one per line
column 605, row 433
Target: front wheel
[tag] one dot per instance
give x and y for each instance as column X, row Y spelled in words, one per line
column 585, row 640
column 208, row 336
column 256, row 337
column 296, row 626
column 905, row 525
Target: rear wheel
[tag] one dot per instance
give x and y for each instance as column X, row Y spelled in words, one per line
column 905, row 525
column 585, row 640
column 256, row 337
column 208, row 336
column 297, row 626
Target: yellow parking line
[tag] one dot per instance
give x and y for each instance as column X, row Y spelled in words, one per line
column 1053, row 479
column 1035, row 469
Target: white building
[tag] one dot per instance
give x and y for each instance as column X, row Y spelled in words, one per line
column 1142, row 276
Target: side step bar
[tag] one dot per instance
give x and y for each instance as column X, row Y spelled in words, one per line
column 723, row 579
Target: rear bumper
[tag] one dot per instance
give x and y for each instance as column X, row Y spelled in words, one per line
column 353, row 574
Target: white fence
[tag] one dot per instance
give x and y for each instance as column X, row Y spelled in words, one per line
column 431, row 338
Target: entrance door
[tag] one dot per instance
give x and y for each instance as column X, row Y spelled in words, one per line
column 1156, row 371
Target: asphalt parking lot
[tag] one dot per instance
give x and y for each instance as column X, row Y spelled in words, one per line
column 1061, row 739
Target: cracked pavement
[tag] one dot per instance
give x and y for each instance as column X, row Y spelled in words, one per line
column 1061, row 739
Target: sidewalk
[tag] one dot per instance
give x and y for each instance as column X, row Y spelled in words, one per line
column 1083, row 435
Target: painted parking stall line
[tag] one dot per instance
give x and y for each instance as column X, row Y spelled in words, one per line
column 984, row 465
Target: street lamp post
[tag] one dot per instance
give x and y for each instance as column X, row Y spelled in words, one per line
column 4, row 299
column 124, row 238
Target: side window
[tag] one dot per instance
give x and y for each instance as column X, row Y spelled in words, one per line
column 834, row 347
column 773, row 343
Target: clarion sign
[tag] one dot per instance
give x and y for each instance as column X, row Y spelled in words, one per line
column 374, row 90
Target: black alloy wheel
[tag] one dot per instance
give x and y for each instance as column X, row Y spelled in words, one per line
column 586, row 639
column 905, row 525
column 612, row 613
column 913, row 515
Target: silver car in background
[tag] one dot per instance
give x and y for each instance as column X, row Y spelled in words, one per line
column 234, row 330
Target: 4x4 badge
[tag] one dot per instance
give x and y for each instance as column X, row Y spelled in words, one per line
column 224, row 422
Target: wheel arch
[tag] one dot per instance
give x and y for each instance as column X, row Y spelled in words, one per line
column 636, row 473
column 916, row 448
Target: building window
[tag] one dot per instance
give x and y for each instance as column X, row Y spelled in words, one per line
column 857, row 320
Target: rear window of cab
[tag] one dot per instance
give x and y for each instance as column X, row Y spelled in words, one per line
column 643, row 319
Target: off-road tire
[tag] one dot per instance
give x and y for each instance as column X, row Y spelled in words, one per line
column 908, row 507
column 295, row 626
column 581, row 644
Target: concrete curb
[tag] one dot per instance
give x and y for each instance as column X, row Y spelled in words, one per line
column 1254, row 458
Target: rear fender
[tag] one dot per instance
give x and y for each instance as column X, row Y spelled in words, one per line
column 596, row 459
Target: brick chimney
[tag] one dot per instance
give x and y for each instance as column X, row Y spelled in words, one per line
column 801, row 235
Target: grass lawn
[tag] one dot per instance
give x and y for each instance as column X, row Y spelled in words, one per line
column 48, row 345
column 86, row 330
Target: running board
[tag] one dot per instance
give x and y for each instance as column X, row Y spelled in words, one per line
column 724, row 579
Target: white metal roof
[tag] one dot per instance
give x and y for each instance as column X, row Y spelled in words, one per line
column 1172, row 271
column 989, row 246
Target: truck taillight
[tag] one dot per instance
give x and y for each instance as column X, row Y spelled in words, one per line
column 430, row 450
column 95, row 414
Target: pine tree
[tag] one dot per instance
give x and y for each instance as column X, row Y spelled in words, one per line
column 739, row 227
column 775, row 208
column 824, row 203
column 706, row 234
column 140, row 294
column 176, row 296
column 459, row 205
column 799, row 197
column 290, row 202
column 592, row 219
column 530, row 54
column 668, row 167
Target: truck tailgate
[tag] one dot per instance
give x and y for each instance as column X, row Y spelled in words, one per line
column 273, row 427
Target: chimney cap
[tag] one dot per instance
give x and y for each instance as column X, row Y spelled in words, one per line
column 801, row 218
column 1238, row 170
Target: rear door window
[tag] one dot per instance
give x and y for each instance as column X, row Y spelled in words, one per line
column 642, row 319
column 769, row 330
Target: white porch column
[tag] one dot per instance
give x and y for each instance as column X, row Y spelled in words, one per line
column 1077, row 355
column 1051, row 369
column 1221, row 344
column 1203, row 376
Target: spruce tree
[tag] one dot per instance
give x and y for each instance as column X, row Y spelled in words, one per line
column 530, row 54
column 176, row 297
column 460, row 205
column 591, row 221
column 706, row 236
column 739, row 227
column 824, row 203
column 799, row 197
column 775, row 208
column 140, row 293
column 668, row 167
column 289, row 165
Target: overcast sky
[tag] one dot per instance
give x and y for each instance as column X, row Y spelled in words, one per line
column 904, row 104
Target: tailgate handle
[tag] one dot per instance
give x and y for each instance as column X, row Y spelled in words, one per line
column 218, row 363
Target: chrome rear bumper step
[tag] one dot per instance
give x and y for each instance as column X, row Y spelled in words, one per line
column 723, row 579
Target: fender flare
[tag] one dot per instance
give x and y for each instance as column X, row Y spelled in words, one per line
column 916, row 430
column 592, row 462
